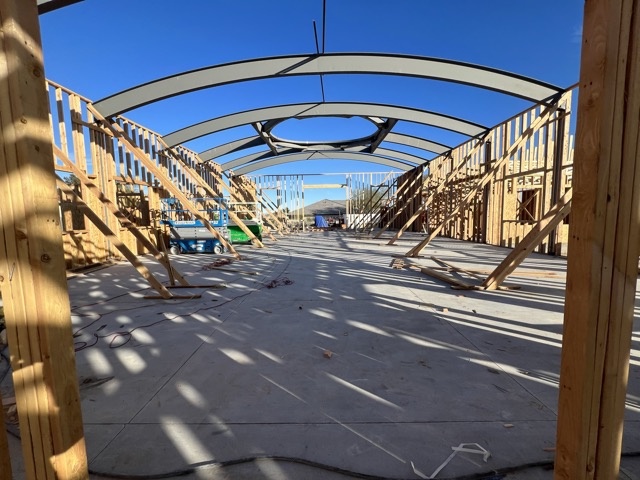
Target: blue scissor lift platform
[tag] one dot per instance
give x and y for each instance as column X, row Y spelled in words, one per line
column 189, row 235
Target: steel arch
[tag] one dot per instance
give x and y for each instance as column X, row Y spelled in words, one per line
column 417, row 142
column 249, row 142
column 401, row 157
column 307, row 156
column 45, row 6
column 234, row 146
column 304, row 110
column 330, row 63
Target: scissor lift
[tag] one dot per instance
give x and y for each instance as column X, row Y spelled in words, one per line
column 188, row 234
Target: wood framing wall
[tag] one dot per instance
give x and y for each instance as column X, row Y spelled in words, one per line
column 534, row 155
column 406, row 202
column 32, row 266
column 115, row 168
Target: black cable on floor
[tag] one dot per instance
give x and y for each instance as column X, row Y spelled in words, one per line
column 496, row 474
column 493, row 475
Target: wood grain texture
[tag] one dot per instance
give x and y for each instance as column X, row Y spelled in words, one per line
column 32, row 263
column 120, row 133
column 528, row 244
column 118, row 215
column 603, row 245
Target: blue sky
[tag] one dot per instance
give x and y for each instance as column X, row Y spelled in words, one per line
column 100, row 47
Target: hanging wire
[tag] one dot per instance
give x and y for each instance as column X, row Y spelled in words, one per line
column 315, row 33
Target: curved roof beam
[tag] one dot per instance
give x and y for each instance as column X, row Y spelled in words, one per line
column 304, row 110
column 331, row 63
column 416, row 142
column 307, row 156
column 249, row 142
column 46, row 6
column 400, row 157
column 231, row 147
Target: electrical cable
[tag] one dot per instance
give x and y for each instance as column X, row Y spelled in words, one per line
column 496, row 474
column 127, row 335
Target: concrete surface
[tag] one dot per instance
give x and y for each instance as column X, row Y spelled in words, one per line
column 349, row 363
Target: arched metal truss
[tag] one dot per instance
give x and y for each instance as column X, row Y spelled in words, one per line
column 334, row 63
column 306, row 110
column 331, row 63
column 250, row 142
column 417, row 142
column 45, row 6
column 404, row 159
column 315, row 156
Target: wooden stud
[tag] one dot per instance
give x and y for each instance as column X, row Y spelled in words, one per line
column 445, row 278
column 371, row 207
column 603, row 245
column 32, row 263
column 437, row 191
column 280, row 227
column 456, row 269
column 157, row 172
column 200, row 181
column 274, row 209
column 243, row 193
column 401, row 198
column 482, row 181
column 107, row 232
column 528, row 244
column 121, row 217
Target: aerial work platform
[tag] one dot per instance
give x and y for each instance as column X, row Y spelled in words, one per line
column 189, row 235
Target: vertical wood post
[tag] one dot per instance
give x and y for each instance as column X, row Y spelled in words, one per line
column 486, row 194
column 560, row 152
column 603, row 245
column 32, row 266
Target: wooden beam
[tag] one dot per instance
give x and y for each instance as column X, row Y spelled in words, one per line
column 437, row 191
column 454, row 268
column 119, row 216
column 269, row 200
column 32, row 265
column 541, row 274
column 113, row 238
column 249, row 195
column 443, row 277
column 604, row 242
column 404, row 187
column 207, row 188
column 528, row 244
column 372, row 205
column 166, row 182
column 325, row 185
column 281, row 227
column 486, row 178
column 252, row 196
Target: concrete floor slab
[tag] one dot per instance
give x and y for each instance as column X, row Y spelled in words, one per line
column 326, row 354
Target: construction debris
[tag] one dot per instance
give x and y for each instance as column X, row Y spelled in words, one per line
column 218, row 263
column 279, row 282
column 463, row 447
column 397, row 263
